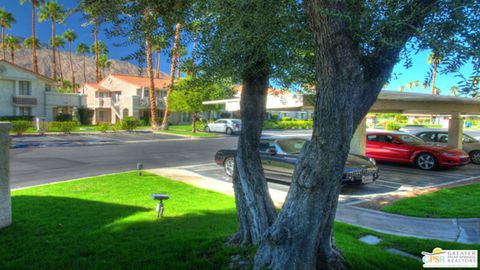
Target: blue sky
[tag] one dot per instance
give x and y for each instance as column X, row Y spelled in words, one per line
column 23, row 28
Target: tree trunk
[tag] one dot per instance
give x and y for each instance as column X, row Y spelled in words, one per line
column 12, row 55
column 255, row 209
column 302, row 235
column 3, row 43
column 60, row 65
column 178, row 28
column 194, row 52
column 97, row 71
column 53, row 51
column 194, row 122
column 157, row 65
column 434, row 76
column 34, row 42
column 71, row 66
column 153, row 103
column 84, row 69
column 178, row 65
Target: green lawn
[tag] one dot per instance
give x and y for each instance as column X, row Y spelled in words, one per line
column 457, row 202
column 187, row 130
column 109, row 222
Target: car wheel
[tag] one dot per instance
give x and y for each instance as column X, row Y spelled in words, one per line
column 229, row 131
column 475, row 157
column 229, row 166
column 207, row 129
column 426, row 161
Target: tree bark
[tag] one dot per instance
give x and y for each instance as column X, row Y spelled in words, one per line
column 153, row 101
column 34, row 42
column 97, row 70
column 157, row 65
column 255, row 209
column 3, row 43
column 60, row 65
column 178, row 65
column 12, row 55
column 53, row 51
column 84, row 69
column 71, row 66
column 166, row 113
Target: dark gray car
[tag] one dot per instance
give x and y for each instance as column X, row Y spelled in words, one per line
column 279, row 157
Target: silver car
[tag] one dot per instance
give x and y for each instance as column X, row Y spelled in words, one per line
column 227, row 126
column 440, row 138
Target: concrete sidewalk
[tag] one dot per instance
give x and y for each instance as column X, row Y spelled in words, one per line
column 453, row 230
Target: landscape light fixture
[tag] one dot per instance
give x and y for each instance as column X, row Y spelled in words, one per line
column 160, row 197
column 139, row 168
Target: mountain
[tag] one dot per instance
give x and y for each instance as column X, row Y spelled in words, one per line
column 23, row 57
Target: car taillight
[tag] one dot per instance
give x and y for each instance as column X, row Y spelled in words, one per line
column 237, row 126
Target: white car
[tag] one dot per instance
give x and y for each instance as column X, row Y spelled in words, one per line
column 227, row 126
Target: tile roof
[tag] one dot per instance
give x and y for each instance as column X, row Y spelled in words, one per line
column 27, row 70
column 142, row 81
column 96, row 86
column 271, row 91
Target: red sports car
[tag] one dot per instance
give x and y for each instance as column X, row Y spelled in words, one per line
column 406, row 148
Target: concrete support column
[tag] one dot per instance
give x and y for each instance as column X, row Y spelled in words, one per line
column 455, row 131
column 359, row 139
column 5, row 201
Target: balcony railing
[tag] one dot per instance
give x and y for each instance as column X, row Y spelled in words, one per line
column 26, row 101
column 145, row 102
column 103, row 102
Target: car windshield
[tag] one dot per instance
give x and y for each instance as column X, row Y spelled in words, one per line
column 469, row 139
column 411, row 140
column 291, row 146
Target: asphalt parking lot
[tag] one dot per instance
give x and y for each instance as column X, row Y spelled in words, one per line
column 393, row 178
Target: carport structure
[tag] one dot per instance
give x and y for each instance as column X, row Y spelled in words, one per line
column 387, row 102
column 417, row 103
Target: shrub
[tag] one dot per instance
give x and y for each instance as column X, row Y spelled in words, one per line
column 102, row 127
column 65, row 126
column 129, row 123
column 63, row 117
column 269, row 124
column 116, row 127
column 85, row 116
column 20, row 127
column 17, row 118
column 295, row 124
column 44, row 126
column 392, row 126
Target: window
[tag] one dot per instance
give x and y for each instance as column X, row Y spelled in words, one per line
column 24, row 88
column 443, row 137
column 468, row 139
column 380, row 138
column 291, row 146
column 25, row 111
column 265, row 145
column 411, row 140
column 427, row 136
column 48, row 88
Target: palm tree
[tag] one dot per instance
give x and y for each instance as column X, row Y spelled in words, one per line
column 12, row 44
column 35, row 5
column 103, row 63
column 82, row 49
column 158, row 45
column 56, row 13
column 176, row 42
column 410, row 85
column 454, row 90
column 70, row 36
column 99, row 48
column 59, row 43
column 182, row 51
column 6, row 20
column 434, row 59
column 194, row 28
column 28, row 42
column 401, row 88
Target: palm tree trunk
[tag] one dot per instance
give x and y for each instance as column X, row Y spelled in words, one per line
column 434, row 75
column 153, row 103
column 178, row 65
column 97, row 71
column 60, row 65
column 3, row 42
column 12, row 54
column 53, row 51
column 71, row 66
column 157, row 65
column 194, row 51
column 84, row 69
column 34, row 43
column 173, row 65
